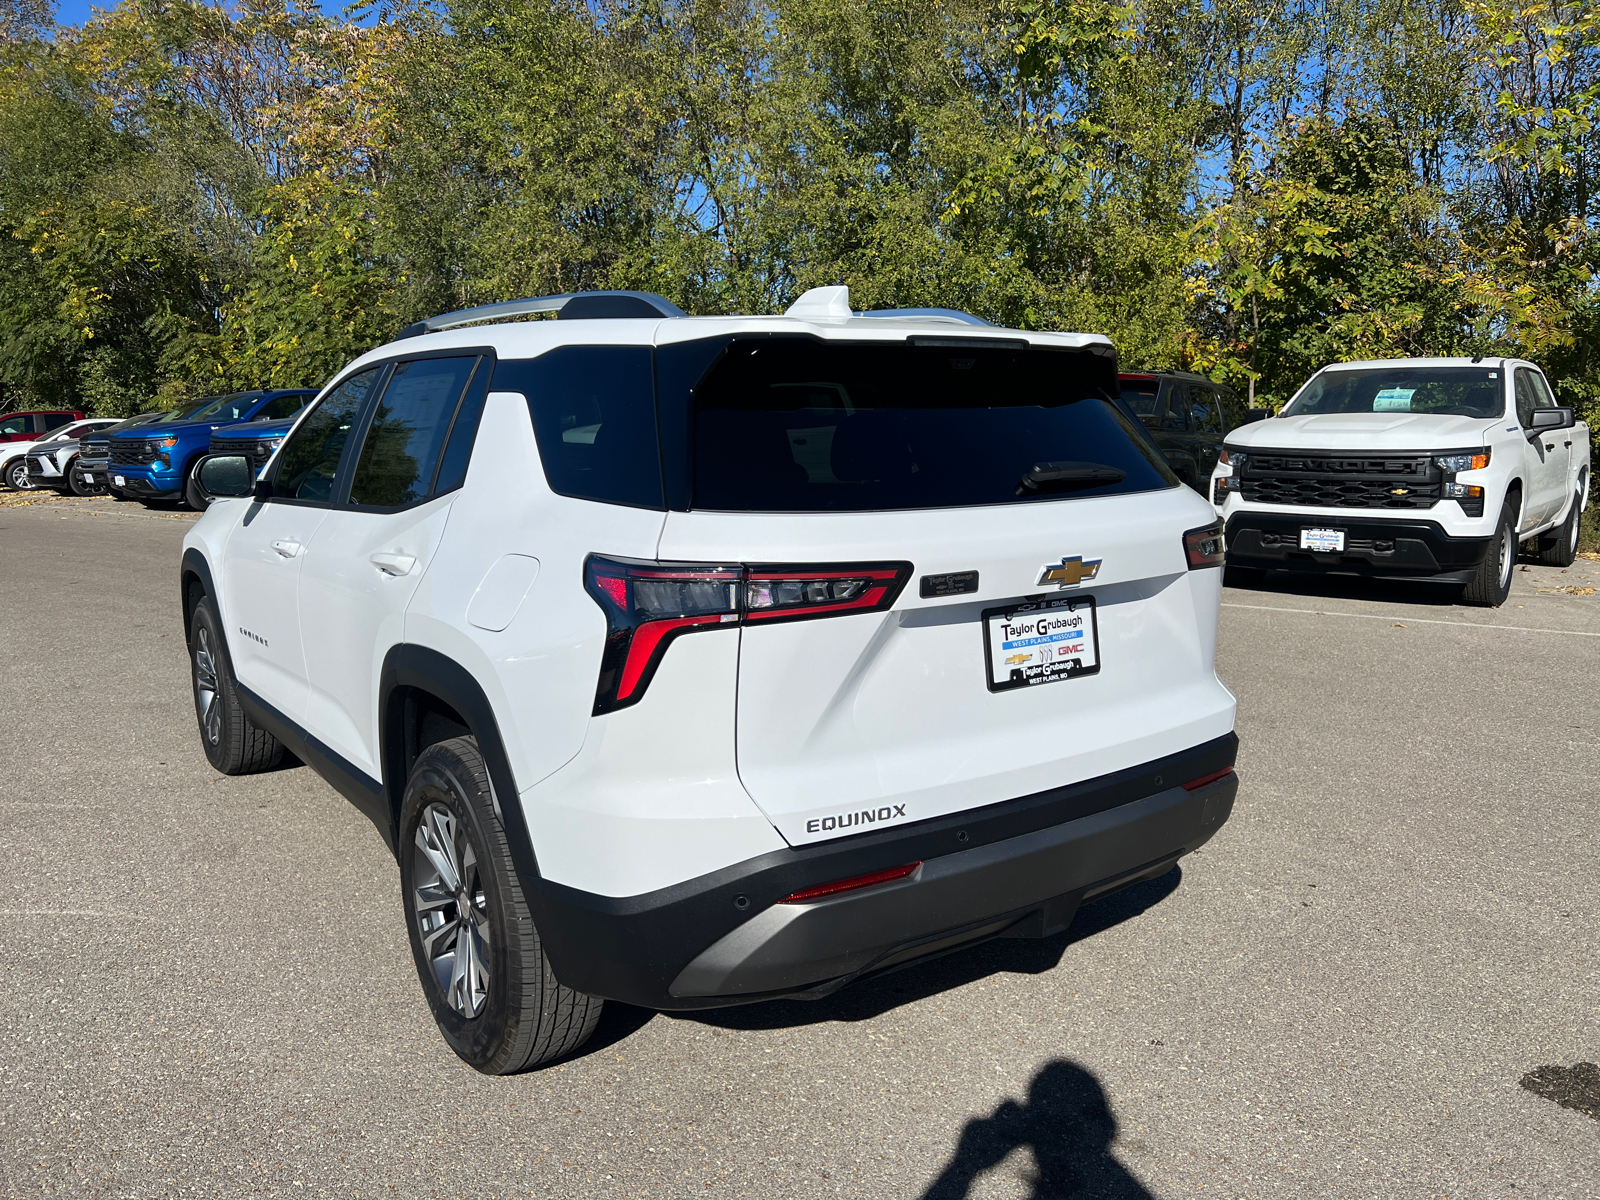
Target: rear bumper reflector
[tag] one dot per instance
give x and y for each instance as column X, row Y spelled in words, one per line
column 870, row 879
column 1194, row 785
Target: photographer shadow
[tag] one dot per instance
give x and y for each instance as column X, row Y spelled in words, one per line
column 1067, row 1123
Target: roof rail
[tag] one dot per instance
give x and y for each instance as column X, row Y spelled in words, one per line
column 911, row 314
column 568, row 307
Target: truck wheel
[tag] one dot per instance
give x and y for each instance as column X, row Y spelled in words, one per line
column 1492, row 583
column 1559, row 547
column 80, row 486
column 480, row 959
column 233, row 743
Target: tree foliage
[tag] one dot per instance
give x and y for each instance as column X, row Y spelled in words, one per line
column 195, row 198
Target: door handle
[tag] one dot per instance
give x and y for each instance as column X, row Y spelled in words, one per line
column 393, row 564
column 1552, row 445
column 287, row 549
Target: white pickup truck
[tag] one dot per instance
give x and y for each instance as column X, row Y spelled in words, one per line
column 1433, row 468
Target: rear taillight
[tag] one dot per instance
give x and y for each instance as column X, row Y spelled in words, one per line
column 649, row 604
column 1203, row 547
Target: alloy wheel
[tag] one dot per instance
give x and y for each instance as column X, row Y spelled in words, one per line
column 206, row 698
column 452, row 910
column 17, row 475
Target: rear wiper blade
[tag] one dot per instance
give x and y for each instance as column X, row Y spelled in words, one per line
column 1054, row 475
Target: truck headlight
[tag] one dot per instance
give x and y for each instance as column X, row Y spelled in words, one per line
column 268, row 445
column 1464, row 460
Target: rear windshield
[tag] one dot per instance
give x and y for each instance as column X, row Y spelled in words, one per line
column 1441, row 391
column 1140, row 396
column 786, row 424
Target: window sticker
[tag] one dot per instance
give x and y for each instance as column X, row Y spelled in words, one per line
column 1393, row 400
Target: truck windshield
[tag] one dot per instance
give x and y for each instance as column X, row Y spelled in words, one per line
column 1439, row 391
column 783, row 424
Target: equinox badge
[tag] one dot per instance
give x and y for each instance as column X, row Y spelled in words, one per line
column 1070, row 572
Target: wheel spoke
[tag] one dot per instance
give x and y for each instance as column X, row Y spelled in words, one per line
column 432, row 938
column 433, row 839
column 431, row 896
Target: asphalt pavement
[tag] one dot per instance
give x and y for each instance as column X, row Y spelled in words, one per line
column 207, row 987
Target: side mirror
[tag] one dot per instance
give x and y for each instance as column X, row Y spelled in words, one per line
column 1252, row 415
column 227, row 475
column 1546, row 420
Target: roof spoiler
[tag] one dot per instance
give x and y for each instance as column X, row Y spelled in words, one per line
column 569, row 307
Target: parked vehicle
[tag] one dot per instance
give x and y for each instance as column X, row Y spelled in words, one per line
column 49, row 463
column 1433, row 468
column 32, row 424
column 256, row 440
column 89, row 474
column 1187, row 416
column 14, row 455
column 156, row 464
column 695, row 661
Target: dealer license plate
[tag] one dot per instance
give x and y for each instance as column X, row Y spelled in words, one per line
column 1322, row 539
column 1029, row 644
column 88, row 477
column 119, row 481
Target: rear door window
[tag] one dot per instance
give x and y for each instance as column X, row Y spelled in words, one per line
column 55, row 420
column 789, row 424
column 594, row 417
column 406, row 434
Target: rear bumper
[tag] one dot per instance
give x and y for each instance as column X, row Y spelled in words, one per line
column 1015, row 869
column 1415, row 548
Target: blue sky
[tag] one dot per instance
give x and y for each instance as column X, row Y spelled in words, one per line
column 76, row 12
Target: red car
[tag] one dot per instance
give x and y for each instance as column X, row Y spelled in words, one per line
column 35, row 423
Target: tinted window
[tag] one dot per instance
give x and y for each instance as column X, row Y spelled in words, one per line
column 187, row 413
column 1449, row 391
column 1203, row 411
column 458, row 450
column 281, row 406
column 1176, row 418
column 78, row 430
column 56, row 420
column 1140, row 396
column 594, row 416
column 1527, row 399
column 796, row 425
column 407, row 431
column 16, row 425
column 308, row 463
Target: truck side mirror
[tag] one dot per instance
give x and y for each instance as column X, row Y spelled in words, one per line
column 227, row 475
column 1546, row 420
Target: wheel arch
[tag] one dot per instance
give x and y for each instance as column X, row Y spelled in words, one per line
column 424, row 697
column 195, row 570
column 1515, row 493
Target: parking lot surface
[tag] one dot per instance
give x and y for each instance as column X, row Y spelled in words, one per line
column 207, row 987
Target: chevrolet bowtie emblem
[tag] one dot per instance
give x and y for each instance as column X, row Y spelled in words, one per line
column 1070, row 572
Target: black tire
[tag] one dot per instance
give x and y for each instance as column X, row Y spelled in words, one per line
column 233, row 743
column 80, row 486
column 505, row 1012
column 1559, row 547
column 1492, row 583
column 17, row 475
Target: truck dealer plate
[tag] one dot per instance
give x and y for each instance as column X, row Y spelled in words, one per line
column 1322, row 539
column 1043, row 642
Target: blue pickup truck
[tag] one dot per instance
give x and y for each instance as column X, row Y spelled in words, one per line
column 157, row 462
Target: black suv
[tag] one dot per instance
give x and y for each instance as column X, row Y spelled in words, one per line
column 1187, row 415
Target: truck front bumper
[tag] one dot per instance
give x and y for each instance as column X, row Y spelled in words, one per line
column 1418, row 549
column 1017, row 869
column 145, row 485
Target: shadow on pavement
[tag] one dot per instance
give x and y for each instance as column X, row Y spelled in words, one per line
column 1066, row 1122
column 1361, row 587
column 872, row 997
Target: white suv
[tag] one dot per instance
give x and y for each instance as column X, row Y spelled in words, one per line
column 696, row 661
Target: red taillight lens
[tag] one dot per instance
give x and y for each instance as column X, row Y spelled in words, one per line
column 649, row 604
column 1194, row 785
column 1203, row 547
column 849, row 885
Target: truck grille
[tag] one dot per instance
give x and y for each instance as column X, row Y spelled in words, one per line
column 95, row 453
column 132, row 453
column 251, row 448
column 1339, row 481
